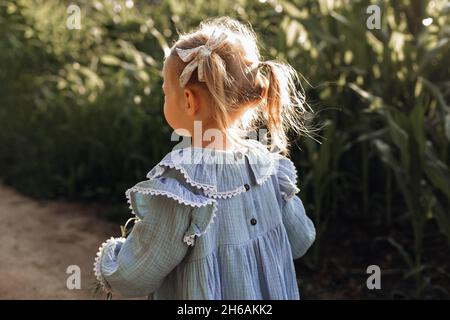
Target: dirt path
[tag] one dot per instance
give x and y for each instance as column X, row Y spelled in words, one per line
column 40, row 239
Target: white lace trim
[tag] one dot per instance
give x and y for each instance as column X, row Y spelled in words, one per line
column 226, row 194
column 189, row 180
column 211, row 191
column 190, row 239
column 295, row 171
column 164, row 193
column 295, row 190
column 241, row 189
column 98, row 264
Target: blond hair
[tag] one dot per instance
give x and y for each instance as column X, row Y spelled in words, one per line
column 238, row 82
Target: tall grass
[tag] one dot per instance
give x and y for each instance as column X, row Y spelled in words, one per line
column 392, row 87
column 81, row 110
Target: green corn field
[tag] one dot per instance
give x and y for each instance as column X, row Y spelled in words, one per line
column 81, row 119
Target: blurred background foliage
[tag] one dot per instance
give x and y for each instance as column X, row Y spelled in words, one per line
column 81, row 119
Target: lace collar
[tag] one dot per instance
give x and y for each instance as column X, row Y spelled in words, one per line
column 210, row 169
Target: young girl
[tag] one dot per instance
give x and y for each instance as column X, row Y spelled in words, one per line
column 217, row 220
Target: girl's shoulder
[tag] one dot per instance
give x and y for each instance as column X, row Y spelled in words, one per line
column 166, row 189
column 218, row 174
column 197, row 180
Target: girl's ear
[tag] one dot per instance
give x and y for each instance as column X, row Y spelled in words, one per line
column 191, row 101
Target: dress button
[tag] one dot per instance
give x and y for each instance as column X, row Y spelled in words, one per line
column 253, row 221
column 247, row 187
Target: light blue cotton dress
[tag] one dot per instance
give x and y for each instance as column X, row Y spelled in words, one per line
column 212, row 224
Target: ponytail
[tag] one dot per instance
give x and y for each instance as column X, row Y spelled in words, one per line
column 284, row 106
column 244, row 92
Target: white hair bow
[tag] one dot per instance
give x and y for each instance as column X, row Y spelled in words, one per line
column 196, row 56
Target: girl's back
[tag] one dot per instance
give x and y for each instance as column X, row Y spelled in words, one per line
column 216, row 223
column 244, row 250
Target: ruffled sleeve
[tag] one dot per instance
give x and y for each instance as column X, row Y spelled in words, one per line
column 287, row 177
column 202, row 219
column 172, row 184
column 169, row 216
column 299, row 227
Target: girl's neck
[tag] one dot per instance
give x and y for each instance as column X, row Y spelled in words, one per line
column 220, row 141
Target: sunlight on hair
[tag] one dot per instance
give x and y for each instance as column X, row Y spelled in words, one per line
column 239, row 83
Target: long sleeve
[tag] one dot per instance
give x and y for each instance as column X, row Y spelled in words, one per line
column 136, row 266
column 299, row 227
column 166, row 211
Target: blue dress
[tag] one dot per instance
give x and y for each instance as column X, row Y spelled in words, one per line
column 211, row 224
